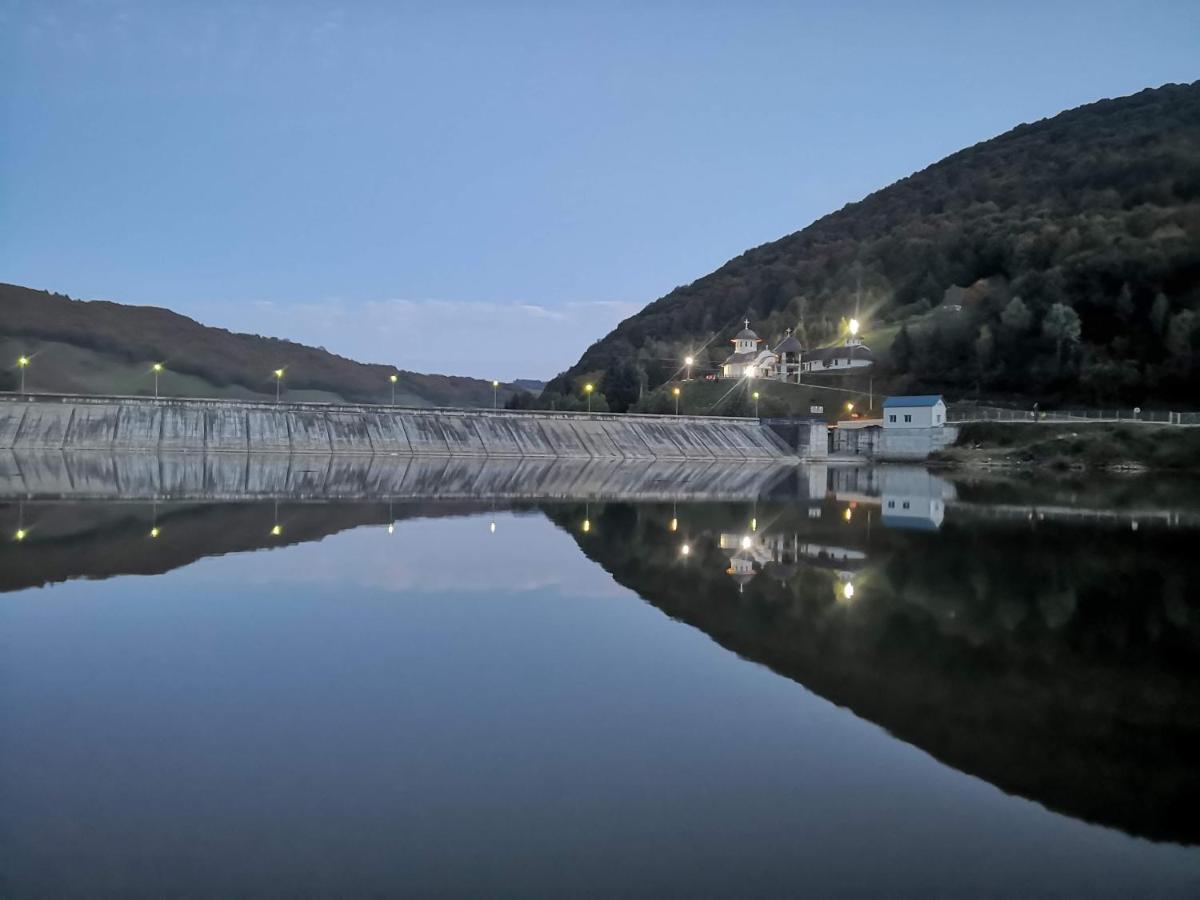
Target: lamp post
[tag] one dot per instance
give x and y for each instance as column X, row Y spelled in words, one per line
column 675, row 391
column 278, row 381
column 687, row 361
column 393, row 378
column 495, row 395
column 756, row 404
column 587, row 389
column 157, row 367
column 22, row 364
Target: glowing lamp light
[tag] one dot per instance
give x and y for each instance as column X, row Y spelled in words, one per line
column 155, row 531
column 755, row 394
column 685, row 550
column 492, row 527
column 587, row 525
column 157, row 367
column 674, row 525
column 675, row 391
column 849, row 407
column 588, row 388
column 276, row 530
column 754, row 524
column 20, row 534
column 687, row 360
column 854, row 326
column 393, row 378
column 278, row 373
column 746, row 542
column 391, row 528
column 848, row 590
column 849, row 514
column 22, row 361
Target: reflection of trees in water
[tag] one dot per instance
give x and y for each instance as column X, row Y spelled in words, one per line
column 1057, row 662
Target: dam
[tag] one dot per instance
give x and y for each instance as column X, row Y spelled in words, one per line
column 84, row 423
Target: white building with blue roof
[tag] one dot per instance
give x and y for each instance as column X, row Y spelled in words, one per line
column 917, row 411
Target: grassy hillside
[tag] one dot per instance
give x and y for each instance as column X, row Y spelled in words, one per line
column 100, row 347
column 1060, row 260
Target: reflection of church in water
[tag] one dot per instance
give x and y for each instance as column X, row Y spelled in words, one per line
column 896, row 498
column 782, row 556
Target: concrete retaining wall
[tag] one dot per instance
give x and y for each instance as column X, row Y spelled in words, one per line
column 914, row 443
column 72, row 423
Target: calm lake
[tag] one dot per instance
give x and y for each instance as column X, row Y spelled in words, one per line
column 827, row 682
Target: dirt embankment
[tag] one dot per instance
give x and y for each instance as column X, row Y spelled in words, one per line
column 1098, row 445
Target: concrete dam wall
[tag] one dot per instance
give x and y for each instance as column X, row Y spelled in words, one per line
column 71, row 423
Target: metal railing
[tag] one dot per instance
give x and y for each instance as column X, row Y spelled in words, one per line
column 959, row 414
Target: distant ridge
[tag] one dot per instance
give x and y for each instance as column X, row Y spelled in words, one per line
column 104, row 347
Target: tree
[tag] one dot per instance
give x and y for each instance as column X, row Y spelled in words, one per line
column 1062, row 326
column 901, row 353
column 1180, row 333
column 985, row 346
column 1160, row 312
column 622, row 383
column 1016, row 316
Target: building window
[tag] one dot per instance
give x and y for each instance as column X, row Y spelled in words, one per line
column 892, row 417
column 908, row 418
column 906, row 504
column 891, row 504
column 939, row 418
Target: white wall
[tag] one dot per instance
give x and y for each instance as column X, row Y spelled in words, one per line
column 921, row 416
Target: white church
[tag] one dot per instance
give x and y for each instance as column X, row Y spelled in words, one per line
column 789, row 360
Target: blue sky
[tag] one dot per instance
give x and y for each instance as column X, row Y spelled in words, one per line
column 486, row 188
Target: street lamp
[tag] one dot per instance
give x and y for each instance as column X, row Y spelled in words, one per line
column 495, row 394
column 587, row 389
column 278, row 381
column 393, row 378
column 756, row 404
column 854, row 325
column 22, row 364
column 157, row 367
column 675, row 391
column 849, row 407
column 687, row 361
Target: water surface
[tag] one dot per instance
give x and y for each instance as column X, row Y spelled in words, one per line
column 852, row 682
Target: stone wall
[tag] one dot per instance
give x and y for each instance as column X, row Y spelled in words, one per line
column 72, row 423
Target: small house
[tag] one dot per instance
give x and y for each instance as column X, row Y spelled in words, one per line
column 922, row 411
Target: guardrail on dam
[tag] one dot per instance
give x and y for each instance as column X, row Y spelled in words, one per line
column 69, row 423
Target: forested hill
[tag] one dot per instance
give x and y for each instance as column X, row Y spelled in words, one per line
column 1060, row 260
column 99, row 347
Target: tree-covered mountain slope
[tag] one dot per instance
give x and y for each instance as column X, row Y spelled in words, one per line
column 99, row 347
column 1060, row 260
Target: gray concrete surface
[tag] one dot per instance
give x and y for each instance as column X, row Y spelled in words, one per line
column 69, row 423
column 39, row 474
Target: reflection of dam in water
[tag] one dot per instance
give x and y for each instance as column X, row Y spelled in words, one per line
column 230, row 476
